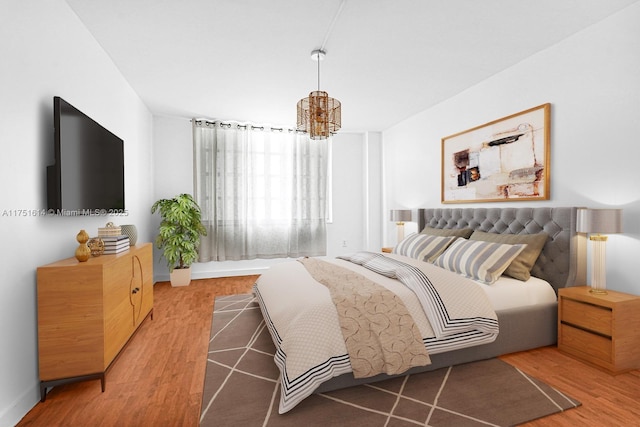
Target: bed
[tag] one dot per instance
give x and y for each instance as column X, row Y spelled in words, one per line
column 290, row 287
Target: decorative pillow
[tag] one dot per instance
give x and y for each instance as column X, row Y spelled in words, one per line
column 521, row 267
column 477, row 260
column 458, row 232
column 423, row 247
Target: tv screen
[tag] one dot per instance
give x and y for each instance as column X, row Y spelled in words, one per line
column 88, row 174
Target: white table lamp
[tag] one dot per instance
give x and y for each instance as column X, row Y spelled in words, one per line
column 598, row 222
column 400, row 216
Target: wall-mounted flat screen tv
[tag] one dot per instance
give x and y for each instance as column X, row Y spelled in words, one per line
column 88, row 174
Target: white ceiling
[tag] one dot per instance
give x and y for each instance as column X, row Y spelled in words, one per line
column 249, row 60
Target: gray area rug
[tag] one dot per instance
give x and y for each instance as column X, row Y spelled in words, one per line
column 241, row 387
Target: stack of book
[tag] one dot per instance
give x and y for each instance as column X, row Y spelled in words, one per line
column 115, row 244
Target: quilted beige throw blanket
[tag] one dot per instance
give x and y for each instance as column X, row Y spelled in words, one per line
column 379, row 333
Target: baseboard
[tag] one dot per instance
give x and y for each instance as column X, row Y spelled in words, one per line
column 217, row 273
column 11, row 415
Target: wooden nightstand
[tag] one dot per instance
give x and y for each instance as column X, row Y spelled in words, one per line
column 387, row 250
column 601, row 330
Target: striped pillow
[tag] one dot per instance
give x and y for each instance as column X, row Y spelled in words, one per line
column 479, row 260
column 423, row 247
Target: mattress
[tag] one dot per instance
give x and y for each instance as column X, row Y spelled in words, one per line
column 508, row 293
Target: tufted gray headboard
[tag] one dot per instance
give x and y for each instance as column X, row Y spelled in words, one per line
column 563, row 258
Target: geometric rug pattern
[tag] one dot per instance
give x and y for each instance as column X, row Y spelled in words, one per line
column 242, row 387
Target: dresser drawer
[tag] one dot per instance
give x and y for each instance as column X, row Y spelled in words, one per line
column 587, row 316
column 585, row 343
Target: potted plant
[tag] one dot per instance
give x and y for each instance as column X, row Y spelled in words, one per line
column 179, row 235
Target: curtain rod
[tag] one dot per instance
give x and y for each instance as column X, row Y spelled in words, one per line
column 228, row 124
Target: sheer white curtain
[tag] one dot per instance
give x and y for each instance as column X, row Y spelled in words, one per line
column 262, row 191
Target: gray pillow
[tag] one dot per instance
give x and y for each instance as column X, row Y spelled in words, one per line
column 483, row 261
column 423, row 247
column 520, row 267
column 448, row 232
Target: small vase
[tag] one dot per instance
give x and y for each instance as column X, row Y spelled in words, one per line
column 83, row 253
column 131, row 232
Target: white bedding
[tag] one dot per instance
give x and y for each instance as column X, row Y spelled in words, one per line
column 508, row 292
column 308, row 354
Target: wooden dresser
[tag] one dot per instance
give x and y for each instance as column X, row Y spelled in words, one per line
column 87, row 312
column 602, row 330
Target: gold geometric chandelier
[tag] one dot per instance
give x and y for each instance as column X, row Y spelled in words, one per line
column 319, row 115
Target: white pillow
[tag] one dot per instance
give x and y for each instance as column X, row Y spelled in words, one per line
column 478, row 260
column 423, row 247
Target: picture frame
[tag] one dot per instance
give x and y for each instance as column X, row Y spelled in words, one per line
column 504, row 160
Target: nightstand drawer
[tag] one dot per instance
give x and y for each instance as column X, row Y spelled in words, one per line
column 587, row 316
column 583, row 343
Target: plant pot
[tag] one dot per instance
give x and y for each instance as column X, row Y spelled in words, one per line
column 180, row 276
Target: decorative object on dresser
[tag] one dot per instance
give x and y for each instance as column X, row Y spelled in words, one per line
column 597, row 221
column 83, row 253
column 399, row 216
column 115, row 244
column 88, row 311
column 96, row 245
column 600, row 329
column 130, row 231
column 503, row 160
column 110, row 229
column 179, row 235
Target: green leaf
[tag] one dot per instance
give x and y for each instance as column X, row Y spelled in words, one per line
column 180, row 230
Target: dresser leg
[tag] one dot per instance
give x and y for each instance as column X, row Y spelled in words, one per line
column 53, row 383
column 43, row 392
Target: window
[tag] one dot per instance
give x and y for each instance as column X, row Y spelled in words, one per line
column 262, row 191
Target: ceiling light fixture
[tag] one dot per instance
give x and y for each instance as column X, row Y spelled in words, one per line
column 319, row 115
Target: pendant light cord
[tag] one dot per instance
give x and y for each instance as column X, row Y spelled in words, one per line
column 335, row 18
column 326, row 37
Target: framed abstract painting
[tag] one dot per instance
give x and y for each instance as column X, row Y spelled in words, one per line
column 503, row 160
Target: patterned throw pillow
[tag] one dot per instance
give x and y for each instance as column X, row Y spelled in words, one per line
column 478, row 260
column 521, row 267
column 423, row 247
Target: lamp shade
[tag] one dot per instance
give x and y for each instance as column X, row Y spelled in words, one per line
column 400, row 215
column 319, row 115
column 604, row 221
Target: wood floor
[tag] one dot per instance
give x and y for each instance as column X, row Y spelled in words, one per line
column 157, row 379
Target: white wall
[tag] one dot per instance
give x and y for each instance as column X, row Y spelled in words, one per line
column 46, row 51
column 357, row 204
column 591, row 80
